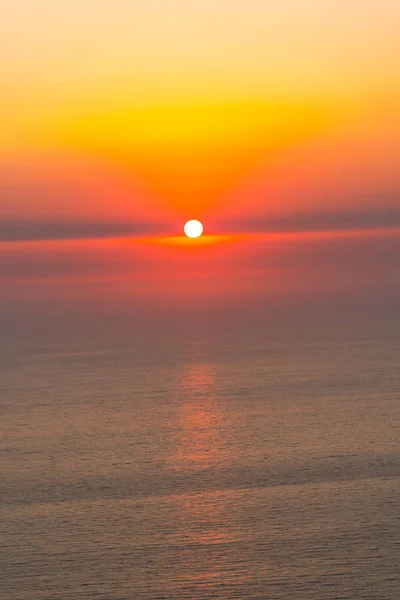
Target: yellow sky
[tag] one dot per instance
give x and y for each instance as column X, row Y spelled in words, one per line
column 139, row 48
column 189, row 98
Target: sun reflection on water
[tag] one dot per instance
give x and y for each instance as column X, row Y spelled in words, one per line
column 201, row 444
column 203, row 516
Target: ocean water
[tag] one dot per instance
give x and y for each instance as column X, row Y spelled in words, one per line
column 173, row 469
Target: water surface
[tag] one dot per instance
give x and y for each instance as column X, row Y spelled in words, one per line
column 191, row 468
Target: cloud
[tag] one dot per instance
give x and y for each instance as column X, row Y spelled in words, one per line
column 20, row 230
column 24, row 230
column 314, row 221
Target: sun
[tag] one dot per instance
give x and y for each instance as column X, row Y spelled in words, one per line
column 193, row 229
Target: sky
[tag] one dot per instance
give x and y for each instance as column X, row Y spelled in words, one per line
column 276, row 124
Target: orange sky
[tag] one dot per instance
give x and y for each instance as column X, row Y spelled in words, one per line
column 171, row 109
column 125, row 120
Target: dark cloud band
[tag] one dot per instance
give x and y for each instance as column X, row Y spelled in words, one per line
column 21, row 231
column 318, row 221
column 24, row 230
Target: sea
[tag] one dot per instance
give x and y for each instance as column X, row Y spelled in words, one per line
column 201, row 465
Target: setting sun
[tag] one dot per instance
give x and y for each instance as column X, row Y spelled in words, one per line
column 193, row 229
